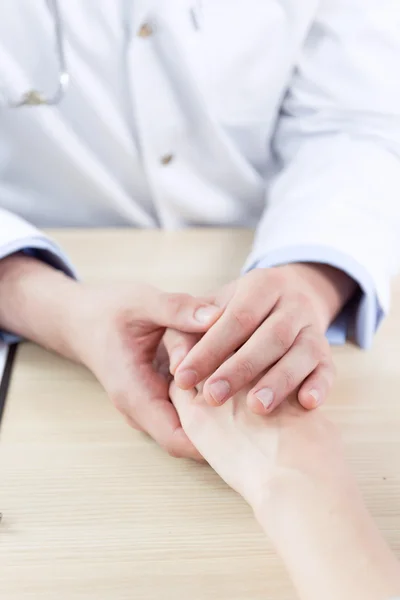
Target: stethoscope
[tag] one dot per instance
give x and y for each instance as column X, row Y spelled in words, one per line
column 35, row 97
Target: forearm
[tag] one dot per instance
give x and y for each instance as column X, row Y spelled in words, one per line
column 37, row 302
column 328, row 541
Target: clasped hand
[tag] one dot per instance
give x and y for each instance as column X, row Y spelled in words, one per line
column 268, row 327
column 271, row 332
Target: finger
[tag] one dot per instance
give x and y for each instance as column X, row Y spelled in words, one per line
column 243, row 315
column 264, row 348
column 181, row 399
column 316, row 387
column 144, row 400
column 155, row 414
column 178, row 346
column 195, row 416
column 284, row 377
column 224, row 295
column 179, row 311
column 163, row 425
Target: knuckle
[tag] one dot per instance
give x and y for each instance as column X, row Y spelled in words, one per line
column 284, row 334
column 278, row 277
column 258, row 276
column 288, row 380
column 259, row 283
column 245, row 318
column 314, row 348
column 245, row 370
column 327, row 360
column 270, row 278
column 330, row 372
column 326, row 350
column 303, row 301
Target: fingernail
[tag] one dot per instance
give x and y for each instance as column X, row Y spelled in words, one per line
column 265, row 396
column 205, row 314
column 219, row 390
column 317, row 397
column 176, row 358
column 186, row 379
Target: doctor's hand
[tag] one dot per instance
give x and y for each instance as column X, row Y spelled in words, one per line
column 120, row 344
column 114, row 330
column 271, row 333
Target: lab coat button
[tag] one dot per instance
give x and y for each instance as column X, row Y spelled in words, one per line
column 146, row 30
column 166, row 159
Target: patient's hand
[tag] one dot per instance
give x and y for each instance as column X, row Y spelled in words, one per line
column 252, row 453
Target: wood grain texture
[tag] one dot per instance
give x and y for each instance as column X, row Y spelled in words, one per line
column 95, row 511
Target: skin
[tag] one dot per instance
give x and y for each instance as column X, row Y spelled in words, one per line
column 115, row 331
column 271, row 333
column 290, row 468
column 276, row 316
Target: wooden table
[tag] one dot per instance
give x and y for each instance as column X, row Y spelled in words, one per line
column 95, row 511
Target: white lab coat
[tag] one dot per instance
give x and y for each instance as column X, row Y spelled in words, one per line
column 283, row 115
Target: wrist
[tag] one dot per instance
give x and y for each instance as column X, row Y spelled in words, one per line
column 309, row 464
column 293, row 496
column 331, row 288
column 38, row 303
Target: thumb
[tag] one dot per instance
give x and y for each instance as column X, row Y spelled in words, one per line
column 152, row 411
column 178, row 346
column 181, row 311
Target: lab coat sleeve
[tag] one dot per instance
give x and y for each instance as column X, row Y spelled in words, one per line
column 335, row 197
column 17, row 235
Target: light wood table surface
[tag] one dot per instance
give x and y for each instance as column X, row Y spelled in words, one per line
column 95, row 511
